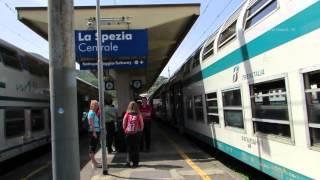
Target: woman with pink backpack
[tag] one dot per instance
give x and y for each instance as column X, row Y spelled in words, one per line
column 133, row 126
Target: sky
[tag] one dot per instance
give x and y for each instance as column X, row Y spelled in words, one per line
column 212, row 14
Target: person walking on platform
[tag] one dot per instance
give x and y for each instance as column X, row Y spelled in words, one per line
column 111, row 115
column 94, row 132
column 146, row 111
column 132, row 126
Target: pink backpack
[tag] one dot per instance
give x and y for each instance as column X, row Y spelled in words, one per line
column 132, row 123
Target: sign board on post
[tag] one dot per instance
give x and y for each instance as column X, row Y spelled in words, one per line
column 136, row 84
column 120, row 48
column 109, row 85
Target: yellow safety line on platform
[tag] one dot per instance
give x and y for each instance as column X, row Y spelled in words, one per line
column 196, row 168
column 35, row 171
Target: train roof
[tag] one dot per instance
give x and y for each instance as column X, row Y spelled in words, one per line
column 84, row 87
column 211, row 38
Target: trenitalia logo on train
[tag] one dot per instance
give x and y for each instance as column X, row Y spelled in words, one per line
column 114, row 43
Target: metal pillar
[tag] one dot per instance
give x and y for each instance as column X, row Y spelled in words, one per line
column 123, row 89
column 101, row 93
column 63, row 94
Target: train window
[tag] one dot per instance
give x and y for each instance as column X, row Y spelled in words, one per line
column 44, row 69
column 232, row 108
column 228, row 34
column 189, row 108
column 198, row 106
column 34, row 67
column 14, row 123
column 187, row 68
column 272, row 128
column 196, row 61
column 270, row 107
column 259, row 10
column 10, row 58
column 212, row 108
column 312, row 92
column 208, row 51
column 23, row 62
column 37, row 120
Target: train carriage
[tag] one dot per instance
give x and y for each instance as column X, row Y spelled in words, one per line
column 253, row 90
column 25, row 101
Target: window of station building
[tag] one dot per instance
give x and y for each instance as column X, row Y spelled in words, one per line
column 198, row 106
column 312, row 93
column 228, row 34
column 208, row 51
column 14, row 123
column 258, row 10
column 10, row 58
column 232, row 108
column 270, row 108
column 212, row 108
column 189, row 108
column 37, row 120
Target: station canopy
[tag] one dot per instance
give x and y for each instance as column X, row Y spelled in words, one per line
column 167, row 25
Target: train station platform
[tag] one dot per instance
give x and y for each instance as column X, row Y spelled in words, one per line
column 172, row 156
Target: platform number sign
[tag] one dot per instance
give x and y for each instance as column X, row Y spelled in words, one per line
column 109, row 85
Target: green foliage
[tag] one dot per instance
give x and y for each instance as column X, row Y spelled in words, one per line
column 87, row 76
column 160, row 80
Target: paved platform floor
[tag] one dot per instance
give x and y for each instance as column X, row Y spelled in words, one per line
column 171, row 157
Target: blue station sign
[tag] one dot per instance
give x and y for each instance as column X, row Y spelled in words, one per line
column 120, row 48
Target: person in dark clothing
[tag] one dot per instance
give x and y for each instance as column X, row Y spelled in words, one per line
column 146, row 112
column 111, row 116
column 132, row 126
column 119, row 141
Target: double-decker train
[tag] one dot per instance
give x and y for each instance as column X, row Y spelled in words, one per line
column 25, row 101
column 252, row 89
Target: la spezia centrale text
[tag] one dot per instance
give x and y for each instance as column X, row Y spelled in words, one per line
column 107, row 47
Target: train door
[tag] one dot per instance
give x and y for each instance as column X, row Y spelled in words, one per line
column 180, row 114
column 37, row 124
column 168, row 107
column 172, row 107
column 15, row 124
column 164, row 106
column 177, row 105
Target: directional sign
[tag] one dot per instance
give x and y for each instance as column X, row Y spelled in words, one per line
column 120, row 48
column 117, row 63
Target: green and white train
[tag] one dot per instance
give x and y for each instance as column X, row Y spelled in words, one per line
column 252, row 89
column 25, row 101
